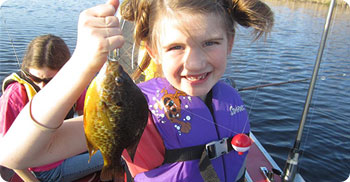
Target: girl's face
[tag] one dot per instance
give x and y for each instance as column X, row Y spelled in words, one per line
column 193, row 52
column 41, row 76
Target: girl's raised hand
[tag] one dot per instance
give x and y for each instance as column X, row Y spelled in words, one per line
column 98, row 33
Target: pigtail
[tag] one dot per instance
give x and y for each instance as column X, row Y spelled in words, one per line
column 251, row 13
column 138, row 12
column 145, row 62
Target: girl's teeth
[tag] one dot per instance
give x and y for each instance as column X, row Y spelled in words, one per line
column 192, row 78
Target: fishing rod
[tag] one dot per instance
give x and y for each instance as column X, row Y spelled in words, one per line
column 8, row 33
column 272, row 84
column 282, row 83
column 290, row 169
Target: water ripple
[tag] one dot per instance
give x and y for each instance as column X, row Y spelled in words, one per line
column 287, row 54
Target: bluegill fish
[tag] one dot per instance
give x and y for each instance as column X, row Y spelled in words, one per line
column 115, row 115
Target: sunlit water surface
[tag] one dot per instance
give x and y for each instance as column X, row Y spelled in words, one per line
column 287, row 54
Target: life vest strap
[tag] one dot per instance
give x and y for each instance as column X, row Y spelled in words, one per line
column 213, row 149
column 204, row 153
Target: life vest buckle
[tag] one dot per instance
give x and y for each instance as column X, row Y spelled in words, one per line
column 216, row 149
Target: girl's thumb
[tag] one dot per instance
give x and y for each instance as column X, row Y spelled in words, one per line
column 115, row 3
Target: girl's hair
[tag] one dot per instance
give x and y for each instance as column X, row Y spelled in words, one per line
column 46, row 51
column 146, row 13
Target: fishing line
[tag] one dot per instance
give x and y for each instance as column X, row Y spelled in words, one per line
column 312, row 113
column 337, row 76
column 121, row 27
column 221, row 126
column 127, row 53
column 257, row 90
column 121, row 53
column 8, row 34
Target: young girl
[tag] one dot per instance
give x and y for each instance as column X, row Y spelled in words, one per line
column 45, row 56
column 193, row 115
column 192, row 111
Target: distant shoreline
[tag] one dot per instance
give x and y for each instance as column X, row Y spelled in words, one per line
column 338, row 2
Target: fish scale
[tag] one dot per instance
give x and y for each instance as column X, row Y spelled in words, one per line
column 115, row 115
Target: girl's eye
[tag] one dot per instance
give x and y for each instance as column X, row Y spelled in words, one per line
column 175, row 48
column 209, row 43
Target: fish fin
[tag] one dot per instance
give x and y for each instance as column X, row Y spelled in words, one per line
column 109, row 173
column 91, row 149
column 132, row 150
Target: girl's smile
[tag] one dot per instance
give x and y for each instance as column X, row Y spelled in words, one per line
column 196, row 79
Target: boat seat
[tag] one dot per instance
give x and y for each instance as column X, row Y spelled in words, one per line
column 17, row 175
column 26, row 175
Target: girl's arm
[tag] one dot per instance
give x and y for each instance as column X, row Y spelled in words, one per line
column 28, row 145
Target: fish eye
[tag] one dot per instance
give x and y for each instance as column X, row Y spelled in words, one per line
column 120, row 104
column 118, row 80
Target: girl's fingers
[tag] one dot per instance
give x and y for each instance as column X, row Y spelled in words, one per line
column 105, row 32
column 115, row 42
column 115, row 3
column 101, row 10
column 102, row 22
column 98, row 33
column 111, row 21
column 108, row 9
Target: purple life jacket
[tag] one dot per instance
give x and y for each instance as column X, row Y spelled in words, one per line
column 185, row 121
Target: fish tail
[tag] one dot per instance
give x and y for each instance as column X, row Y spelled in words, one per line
column 109, row 173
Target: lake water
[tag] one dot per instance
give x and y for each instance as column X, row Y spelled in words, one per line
column 287, row 54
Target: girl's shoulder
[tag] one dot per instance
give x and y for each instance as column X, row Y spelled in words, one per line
column 12, row 102
column 153, row 81
column 223, row 86
column 226, row 93
column 15, row 91
column 153, row 85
